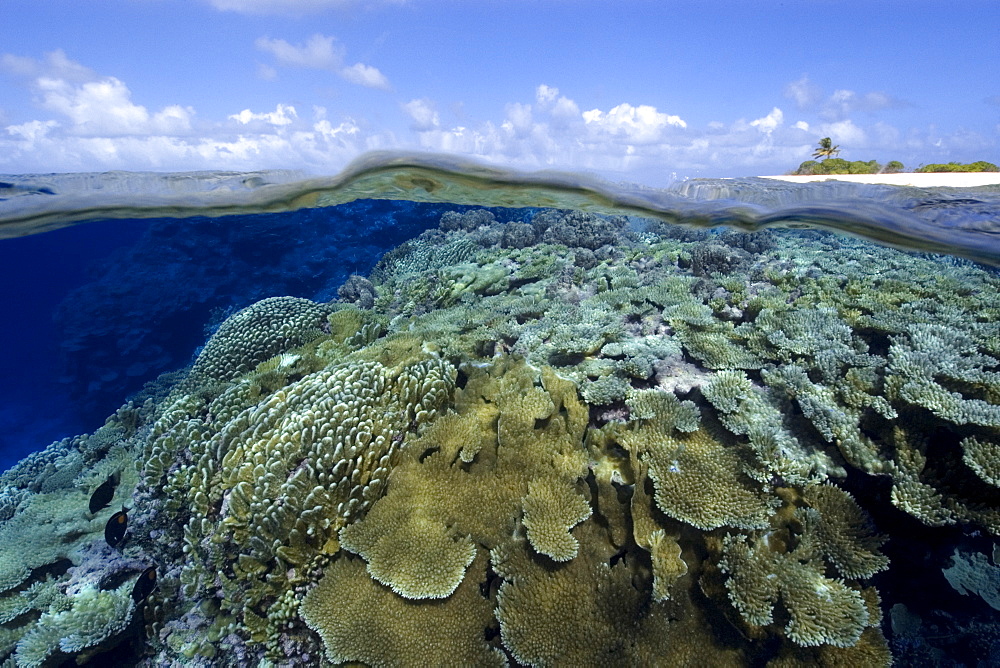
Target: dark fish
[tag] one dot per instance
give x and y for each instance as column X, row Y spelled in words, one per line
column 114, row 530
column 145, row 585
column 102, row 495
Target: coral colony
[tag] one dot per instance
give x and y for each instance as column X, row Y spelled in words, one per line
column 565, row 439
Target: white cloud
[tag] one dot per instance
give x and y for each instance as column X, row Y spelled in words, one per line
column 546, row 94
column 321, row 52
column 105, row 107
column 32, row 130
column 843, row 103
column 845, row 132
column 840, row 104
column 266, row 72
column 423, row 114
column 365, row 75
column 90, row 122
column 642, row 124
column 518, row 120
column 562, row 111
column 282, row 115
column 768, row 124
column 55, row 64
column 95, row 125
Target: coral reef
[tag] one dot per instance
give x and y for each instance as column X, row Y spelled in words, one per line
column 550, row 438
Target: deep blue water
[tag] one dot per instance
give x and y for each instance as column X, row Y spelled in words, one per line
column 93, row 312
column 37, row 274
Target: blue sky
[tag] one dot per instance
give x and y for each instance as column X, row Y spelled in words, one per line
column 640, row 91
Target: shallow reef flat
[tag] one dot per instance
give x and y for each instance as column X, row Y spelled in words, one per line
column 544, row 438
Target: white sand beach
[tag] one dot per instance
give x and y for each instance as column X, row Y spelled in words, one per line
column 920, row 180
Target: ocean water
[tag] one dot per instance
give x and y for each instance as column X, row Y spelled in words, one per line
column 825, row 354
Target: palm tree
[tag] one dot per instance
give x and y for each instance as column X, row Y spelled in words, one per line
column 826, row 149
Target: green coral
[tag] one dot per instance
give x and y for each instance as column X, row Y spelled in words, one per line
column 821, row 610
column 257, row 333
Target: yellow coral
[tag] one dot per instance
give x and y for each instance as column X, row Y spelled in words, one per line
column 701, row 480
column 668, row 566
column 550, row 511
column 360, row 620
column 418, row 539
column 425, row 561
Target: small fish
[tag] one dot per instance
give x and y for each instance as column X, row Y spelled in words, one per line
column 145, row 585
column 102, row 495
column 114, row 530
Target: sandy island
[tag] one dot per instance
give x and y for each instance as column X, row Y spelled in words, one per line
column 920, row 180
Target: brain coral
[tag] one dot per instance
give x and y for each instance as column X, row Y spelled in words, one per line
column 257, row 333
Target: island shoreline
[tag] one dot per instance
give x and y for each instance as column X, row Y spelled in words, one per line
column 915, row 179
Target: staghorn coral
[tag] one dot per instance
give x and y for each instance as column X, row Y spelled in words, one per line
column 820, row 610
column 840, row 532
column 983, row 457
column 765, row 566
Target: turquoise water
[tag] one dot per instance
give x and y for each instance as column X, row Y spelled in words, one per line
column 826, row 355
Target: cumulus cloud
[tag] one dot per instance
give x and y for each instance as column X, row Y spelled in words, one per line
column 845, row 132
column 423, row 114
column 768, row 124
column 95, row 125
column 282, row 115
column 88, row 104
column 639, row 125
column 322, row 52
column 105, row 108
